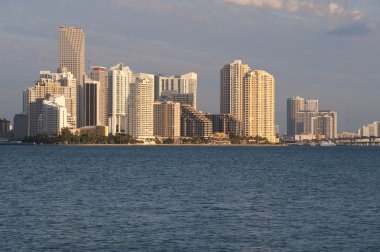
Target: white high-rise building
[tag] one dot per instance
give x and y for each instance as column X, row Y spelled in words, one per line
column 119, row 79
column 182, row 89
column 72, row 51
column 370, row 130
column 140, row 107
column 259, row 105
column 54, row 115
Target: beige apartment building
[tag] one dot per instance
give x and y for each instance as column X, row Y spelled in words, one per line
column 167, row 119
column 99, row 73
column 259, row 106
column 232, row 88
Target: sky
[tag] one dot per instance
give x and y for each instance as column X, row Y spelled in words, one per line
column 317, row 49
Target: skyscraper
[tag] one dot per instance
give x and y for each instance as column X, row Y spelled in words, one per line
column 140, row 107
column 99, row 73
column 294, row 105
column 90, row 97
column 72, row 51
column 259, row 105
column 232, row 89
column 119, row 79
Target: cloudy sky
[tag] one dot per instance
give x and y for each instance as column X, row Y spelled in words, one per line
column 327, row 50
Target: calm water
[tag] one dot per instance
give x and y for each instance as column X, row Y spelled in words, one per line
column 189, row 199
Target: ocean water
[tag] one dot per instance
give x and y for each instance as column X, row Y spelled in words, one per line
column 172, row 198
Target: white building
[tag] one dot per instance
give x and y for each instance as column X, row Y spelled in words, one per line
column 140, row 107
column 370, row 130
column 178, row 87
column 119, row 79
column 54, row 115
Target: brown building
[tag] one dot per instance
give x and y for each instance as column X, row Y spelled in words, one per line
column 225, row 123
column 194, row 123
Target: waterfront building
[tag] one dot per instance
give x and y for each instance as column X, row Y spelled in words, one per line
column 99, row 73
column 167, row 119
column 5, row 127
column 232, row 89
column 194, row 123
column 370, row 130
column 294, row 105
column 54, row 115
column 55, row 84
column 259, row 105
column 119, row 79
column 326, row 124
column 140, row 107
column 20, row 126
column 225, row 123
column 177, row 88
column 89, row 103
column 72, row 51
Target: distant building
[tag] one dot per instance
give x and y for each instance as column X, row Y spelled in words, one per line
column 167, row 119
column 370, row 130
column 225, row 123
column 72, row 51
column 20, row 124
column 5, row 128
column 55, row 84
column 194, row 123
column 182, row 89
column 90, row 103
column 232, row 89
column 326, row 124
column 99, row 73
column 306, row 121
column 54, row 115
column 119, row 79
column 140, row 107
column 259, row 105
column 294, row 105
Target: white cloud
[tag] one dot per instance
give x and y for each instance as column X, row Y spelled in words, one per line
column 331, row 10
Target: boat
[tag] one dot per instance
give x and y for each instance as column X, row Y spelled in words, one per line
column 327, row 143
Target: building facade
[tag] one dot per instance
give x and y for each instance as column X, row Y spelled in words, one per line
column 194, row 123
column 89, row 103
column 54, row 115
column 20, row 126
column 140, row 107
column 232, row 89
column 99, row 73
column 295, row 105
column 167, row 119
column 56, row 84
column 5, row 128
column 225, row 123
column 119, row 79
column 259, row 105
column 177, row 88
column 72, row 51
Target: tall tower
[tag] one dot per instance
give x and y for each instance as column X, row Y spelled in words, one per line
column 140, row 107
column 72, row 51
column 231, row 88
column 294, row 105
column 119, row 79
column 259, row 105
column 99, row 73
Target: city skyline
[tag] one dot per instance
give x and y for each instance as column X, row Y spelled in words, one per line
column 331, row 57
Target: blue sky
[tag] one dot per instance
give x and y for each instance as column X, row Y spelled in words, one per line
column 327, row 50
